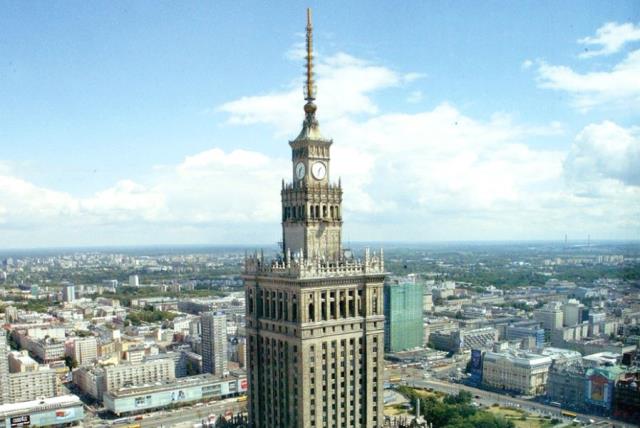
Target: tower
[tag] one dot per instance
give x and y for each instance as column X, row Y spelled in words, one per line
column 314, row 316
column 214, row 343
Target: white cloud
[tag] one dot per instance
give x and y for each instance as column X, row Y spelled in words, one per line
column 619, row 87
column 434, row 174
column 610, row 38
column 345, row 85
column 526, row 64
column 605, row 151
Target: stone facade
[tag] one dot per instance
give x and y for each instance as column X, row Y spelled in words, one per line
column 314, row 316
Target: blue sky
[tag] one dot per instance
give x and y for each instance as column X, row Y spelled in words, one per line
column 167, row 122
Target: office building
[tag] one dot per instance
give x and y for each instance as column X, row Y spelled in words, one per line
column 566, row 384
column 95, row 381
column 69, row 293
column 403, row 314
column 517, row 371
column 463, row 339
column 214, row 343
column 83, row 350
column 4, row 369
column 551, row 316
column 140, row 398
column 524, row 332
column 33, row 385
column 11, row 314
column 572, row 313
column 134, row 281
column 20, row 362
column 66, row 410
column 314, row 315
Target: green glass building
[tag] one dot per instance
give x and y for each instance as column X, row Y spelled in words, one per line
column 403, row 314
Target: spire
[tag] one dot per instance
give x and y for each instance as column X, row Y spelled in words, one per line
column 309, row 87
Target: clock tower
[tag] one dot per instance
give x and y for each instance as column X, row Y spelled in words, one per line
column 314, row 313
column 311, row 203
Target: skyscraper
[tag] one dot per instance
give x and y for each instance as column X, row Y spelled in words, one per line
column 4, row 369
column 314, row 315
column 214, row 343
column 403, row 314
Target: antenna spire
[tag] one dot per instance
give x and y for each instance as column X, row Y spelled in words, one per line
column 309, row 88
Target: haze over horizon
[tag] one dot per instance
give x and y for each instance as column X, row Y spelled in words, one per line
column 136, row 125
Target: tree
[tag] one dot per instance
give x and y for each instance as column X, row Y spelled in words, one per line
column 70, row 362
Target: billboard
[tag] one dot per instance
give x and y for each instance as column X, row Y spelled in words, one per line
column 599, row 390
column 476, row 366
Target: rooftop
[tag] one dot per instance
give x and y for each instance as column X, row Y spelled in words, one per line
column 38, row 405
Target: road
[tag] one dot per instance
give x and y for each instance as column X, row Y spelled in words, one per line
column 192, row 415
column 488, row 398
column 183, row 417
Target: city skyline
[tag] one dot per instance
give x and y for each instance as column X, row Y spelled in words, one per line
column 462, row 130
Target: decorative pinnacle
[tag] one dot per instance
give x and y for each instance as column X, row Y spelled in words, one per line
column 310, row 107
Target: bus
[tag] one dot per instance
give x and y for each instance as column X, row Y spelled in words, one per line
column 568, row 414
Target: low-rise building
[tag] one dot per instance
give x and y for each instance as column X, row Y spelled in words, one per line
column 521, row 372
column 463, row 340
column 138, row 398
column 83, row 350
column 98, row 380
column 566, row 385
column 57, row 411
column 33, row 385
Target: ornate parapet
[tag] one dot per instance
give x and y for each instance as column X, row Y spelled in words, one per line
column 299, row 267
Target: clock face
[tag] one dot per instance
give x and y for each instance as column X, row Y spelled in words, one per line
column 319, row 170
column 300, row 170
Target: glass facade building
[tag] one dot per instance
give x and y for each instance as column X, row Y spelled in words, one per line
column 403, row 314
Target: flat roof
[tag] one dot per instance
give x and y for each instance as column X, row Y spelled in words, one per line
column 38, row 405
column 183, row 382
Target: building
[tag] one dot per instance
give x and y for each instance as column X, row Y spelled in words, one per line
column 567, row 385
column 20, row 362
column 463, row 339
column 521, row 372
column 314, row 315
column 140, row 398
column 95, row 381
column 626, row 398
column 600, row 386
column 11, row 314
column 134, row 281
column 524, row 332
column 83, row 350
column 572, row 313
column 551, row 316
column 46, row 349
column 33, row 385
column 214, row 343
column 403, row 314
column 69, row 293
column 57, row 411
column 4, row 369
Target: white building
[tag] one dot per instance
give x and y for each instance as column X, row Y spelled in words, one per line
column 522, row 372
column 214, row 343
column 83, row 350
column 134, row 281
column 572, row 313
column 550, row 315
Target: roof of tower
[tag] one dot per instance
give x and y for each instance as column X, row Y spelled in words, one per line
column 310, row 127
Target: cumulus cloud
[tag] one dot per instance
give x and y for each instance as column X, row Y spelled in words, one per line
column 433, row 174
column 605, row 151
column 618, row 87
column 609, row 39
column 345, row 84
